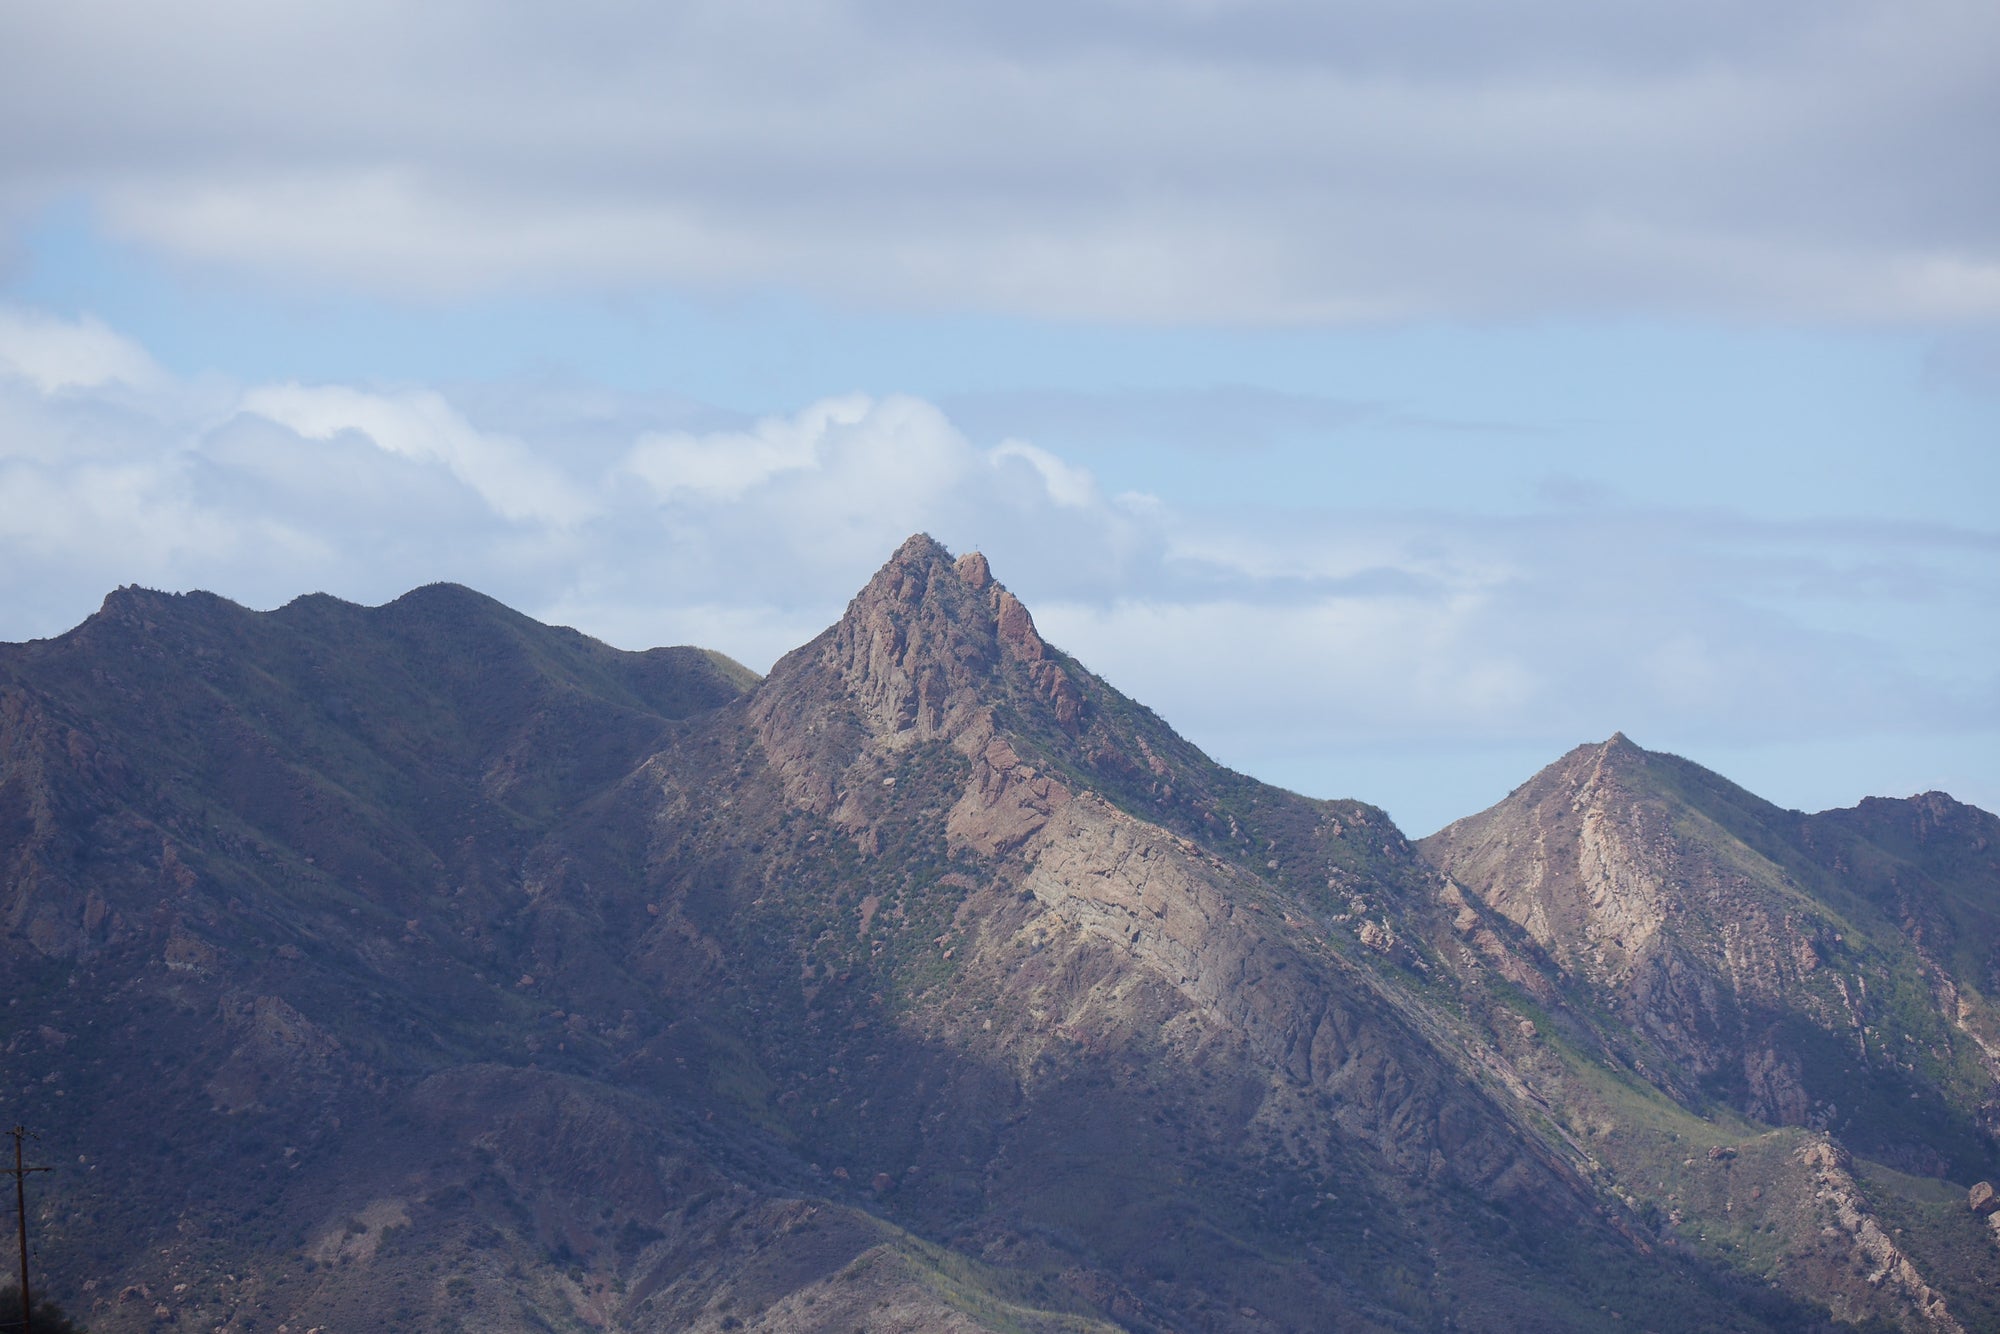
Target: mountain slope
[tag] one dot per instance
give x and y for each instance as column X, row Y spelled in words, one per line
column 953, row 940
column 428, row 966
column 1828, row 972
column 1775, row 960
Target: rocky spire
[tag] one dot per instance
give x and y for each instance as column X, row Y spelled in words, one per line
column 918, row 649
column 923, row 653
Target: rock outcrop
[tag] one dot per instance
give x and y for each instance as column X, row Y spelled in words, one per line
column 1201, row 926
column 1748, row 945
column 424, row 965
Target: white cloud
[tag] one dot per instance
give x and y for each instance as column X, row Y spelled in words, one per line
column 134, row 509
column 420, row 425
column 1278, row 638
column 722, row 465
column 265, row 491
column 54, row 354
column 1068, row 485
column 1262, row 161
column 841, row 482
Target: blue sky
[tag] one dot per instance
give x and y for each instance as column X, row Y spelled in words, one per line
column 1392, row 396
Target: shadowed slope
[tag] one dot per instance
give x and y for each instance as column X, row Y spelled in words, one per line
column 422, row 966
column 1099, row 1023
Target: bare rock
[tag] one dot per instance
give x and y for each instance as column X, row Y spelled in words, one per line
column 1016, row 628
column 972, row 568
column 1181, row 914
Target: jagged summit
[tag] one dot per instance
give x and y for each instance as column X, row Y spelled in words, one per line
column 919, row 647
column 931, row 983
column 931, row 649
column 935, row 649
column 134, row 603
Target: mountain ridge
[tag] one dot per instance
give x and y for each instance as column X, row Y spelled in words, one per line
column 929, row 982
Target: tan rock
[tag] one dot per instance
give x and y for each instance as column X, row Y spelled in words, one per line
column 1016, row 628
column 1006, row 803
column 1184, row 917
column 972, row 568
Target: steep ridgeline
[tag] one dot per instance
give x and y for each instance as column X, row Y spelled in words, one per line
column 1829, row 972
column 1808, row 970
column 425, row 967
column 1000, row 871
column 971, row 928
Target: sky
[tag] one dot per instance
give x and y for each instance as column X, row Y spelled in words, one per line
column 1393, row 395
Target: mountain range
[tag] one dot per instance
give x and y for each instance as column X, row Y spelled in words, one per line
column 426, row 967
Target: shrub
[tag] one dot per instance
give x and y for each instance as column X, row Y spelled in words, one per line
column 49, row 1318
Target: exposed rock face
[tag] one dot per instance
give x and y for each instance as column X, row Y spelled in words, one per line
column 1198, row 924
column 1007, row 802
column 923, row 654
column 1873, row 1248
column 480, row 976
column 1587, row 859
column 1774, row 957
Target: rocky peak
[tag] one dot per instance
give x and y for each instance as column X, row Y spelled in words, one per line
column 1694, row 909
column 1616, row 762
column 1619, row 750
column 1571, row 857
column 920, row 639
column 918, row 649
column 1615, row 856
column 972, row 568
column 923, row 653
column 1012, row 625
column 131, row 608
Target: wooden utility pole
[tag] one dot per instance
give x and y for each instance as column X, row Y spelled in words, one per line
column 20, row 1174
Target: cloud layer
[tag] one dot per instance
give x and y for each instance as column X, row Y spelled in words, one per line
column 1128, row 160
column 1278, row 637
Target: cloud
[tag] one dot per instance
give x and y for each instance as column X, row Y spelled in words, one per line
column 724, row 465
column 261, row 492
column 419, row 425
column 1283, row 639
column 797, row 510
column 1209, row 418
column 1258, row 160
column 1067, row 485
column 55, row 354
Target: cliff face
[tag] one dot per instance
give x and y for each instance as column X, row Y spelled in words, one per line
column 1792, row 965
column 427, row 965
column 935, row 653
column 935, row 740
column 1694, row 938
